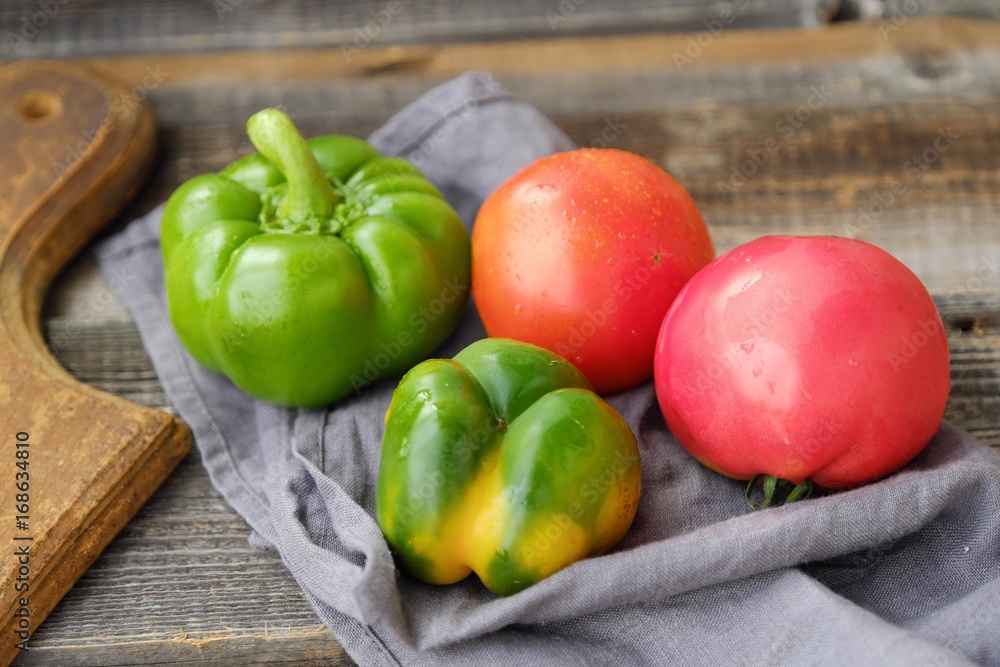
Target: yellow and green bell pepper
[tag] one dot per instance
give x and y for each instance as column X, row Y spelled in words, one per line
column 312, row 268
column 502, row 461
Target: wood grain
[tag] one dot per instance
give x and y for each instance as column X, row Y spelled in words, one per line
column 917, row 42
column 113, row 28
column 888, row 100
column 181, row 585
column 184, row 562
column 79, row 462
column 894, row 11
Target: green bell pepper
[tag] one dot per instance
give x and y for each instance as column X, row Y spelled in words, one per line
column 502, row 461
column 312, row 268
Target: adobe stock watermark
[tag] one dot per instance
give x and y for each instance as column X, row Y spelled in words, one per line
column 565, row 10
column 912, row 171
column 713, row 27
column 928, row 329
column 824, row 432
column 418, row 323
column 542, row 196
column 897, row 14
column 597, row 319
column 32, row 24
column 223, row 7
column 972, row 630
column 419, row 495
column 264, row 309
column 779, row 304
column 611, row 132
column 119, row 109
column 986, row 272
column 372, row 28
column 785, row 127
column 93, row 307
column 588, row 495
column 453, row 119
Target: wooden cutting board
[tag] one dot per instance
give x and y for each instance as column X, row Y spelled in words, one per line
column 76, row 463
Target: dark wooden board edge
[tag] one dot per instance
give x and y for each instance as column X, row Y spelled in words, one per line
column 151, row 443
column 107, row 519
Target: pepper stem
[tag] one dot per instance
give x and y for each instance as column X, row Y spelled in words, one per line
column 778, row 491
column 310, row 195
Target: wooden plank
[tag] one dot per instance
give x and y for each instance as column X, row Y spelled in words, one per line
column 891, row 97
column 103, row 27
column 889, row 100
column 922, row 39
column 181, row 584
column 896, row 12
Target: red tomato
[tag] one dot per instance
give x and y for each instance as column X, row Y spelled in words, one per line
column 582, row 253
column 803, row 357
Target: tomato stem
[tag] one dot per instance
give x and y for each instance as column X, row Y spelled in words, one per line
column 777, row 491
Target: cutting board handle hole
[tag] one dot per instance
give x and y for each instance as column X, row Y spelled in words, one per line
column 39, row 105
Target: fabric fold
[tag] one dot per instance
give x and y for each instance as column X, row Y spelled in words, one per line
column 901, row 572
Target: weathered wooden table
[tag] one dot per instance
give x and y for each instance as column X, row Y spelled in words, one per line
column 884, row 130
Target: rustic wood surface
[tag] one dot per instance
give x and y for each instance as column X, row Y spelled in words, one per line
column 896, row 9
column 85, row 28
column 181, row 585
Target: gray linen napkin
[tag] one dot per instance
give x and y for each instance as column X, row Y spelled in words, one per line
column 902, row 572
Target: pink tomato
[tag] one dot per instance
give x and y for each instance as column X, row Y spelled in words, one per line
column 803, row 358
